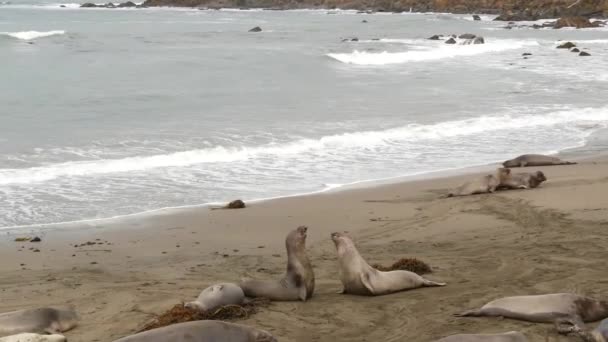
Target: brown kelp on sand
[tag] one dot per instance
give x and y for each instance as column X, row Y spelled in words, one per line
column 406, row 264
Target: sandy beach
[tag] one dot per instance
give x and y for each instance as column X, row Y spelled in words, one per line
column 118, row 274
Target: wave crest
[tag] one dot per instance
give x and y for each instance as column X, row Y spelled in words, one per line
column 29, row 35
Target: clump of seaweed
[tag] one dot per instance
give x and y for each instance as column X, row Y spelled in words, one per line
column 181, row 314
column 406, row 264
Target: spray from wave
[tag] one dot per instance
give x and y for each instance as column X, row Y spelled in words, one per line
column 29, row 35
column 341, row 142
column 441, row 52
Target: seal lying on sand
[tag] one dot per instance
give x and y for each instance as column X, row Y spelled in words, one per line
column 216, row 296
column 359, row 278
column 511, row 336
column 485, row 184
column 42, row 320
column 523, row 180
column 28, row 337
column 202, row 331
column 558, row 308
column 299, row 281
column 535, row 160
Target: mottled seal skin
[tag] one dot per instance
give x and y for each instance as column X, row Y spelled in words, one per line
column 299, row 280
column 359, row 278
column 218, row 295
column 511, row 336
column 535, row 160
column 486, row 184
column 29, row 337
column 563, row 309
column 41, row 321
column 523, row 180
column 202, row 331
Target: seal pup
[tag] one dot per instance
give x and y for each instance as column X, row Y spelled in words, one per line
column 535, row 160
column 29, row 337
column 41, row 320
column 557, row 308
column 511, row 336
column 359, row 278
column 523, row 180
column 299, row 280
column 218, row 295
column 202, row 331
column 485, row 184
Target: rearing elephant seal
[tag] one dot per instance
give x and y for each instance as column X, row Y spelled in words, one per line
column 511, row 336
column 216, row 296
column 359, row 278
column 202, row 331
column 28, row 337
column 485, row 184
column 42, row 320
column 523, row 180
column 299, row 281
column 558, row 308
column 535, row 160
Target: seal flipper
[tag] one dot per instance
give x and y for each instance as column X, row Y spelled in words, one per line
column 567, row 325
column 430, row 283
column 470, row 313
column 302, row 293
column 366, row 281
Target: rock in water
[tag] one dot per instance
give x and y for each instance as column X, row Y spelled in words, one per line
column 450, row 41
column 566, row 45
column 479, row 40
column 476, row 17
column 109, row 5
column 578, row 22
column 236, row 204
column 583, row 53
column 434, row 37
column 575, row 50
column 364, row 21
column 467, row 36
column 127, row 4
column 88, row 5
column 526, row 54
column 256, row 29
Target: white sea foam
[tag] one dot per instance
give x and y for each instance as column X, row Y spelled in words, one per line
column 29, row 35
column 341, row 142
column 440, row 52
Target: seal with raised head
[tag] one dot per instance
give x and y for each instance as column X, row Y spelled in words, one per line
column 202, row 331
column 523, row 180
column 535, row 160
column 562, row 309
column 486, row 184
column 41, row 321
column 218, row 295
column 299, row 281
column 29, row 337
column 359, row 278
column 511, row 336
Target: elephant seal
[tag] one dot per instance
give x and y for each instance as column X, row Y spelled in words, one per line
column 523, row 180
column 41, row 320
column 202, row 331
column 486, row 184
column 299, row 281
column 600, row 334
column 535, row 160
column 359, row 278
column 557, row 308
column 28, row 337
column 216, row 296
column 511, row 336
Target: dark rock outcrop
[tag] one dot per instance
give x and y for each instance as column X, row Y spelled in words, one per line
column 434, row 37
column 583, row 53
column 578, row 22
column 476, row 17
column 451, row 41
column 566, row 45
column 467, row 36
column 575, row 50
column 127, row 4
column 479, row 40
column 256, row 29
column 109, row 5
column 88, row 5
column 526, row 54
column 236, row 204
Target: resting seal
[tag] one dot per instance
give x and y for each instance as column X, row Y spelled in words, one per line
column 359, row 278
column 485, row 184
column 202, row 331
column 535, row 160
column 557, row 308
column 28, row 337
column 299, row 281
column 523, row 180
column 511, row 336
column 42, row 320
column 216, row 296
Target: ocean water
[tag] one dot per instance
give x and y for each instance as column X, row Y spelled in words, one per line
column 113, row 112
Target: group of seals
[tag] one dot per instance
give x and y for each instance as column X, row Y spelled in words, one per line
column 486, row 184
column 38, row 321
column 202, row 331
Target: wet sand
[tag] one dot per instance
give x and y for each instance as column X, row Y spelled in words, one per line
column 550, row 239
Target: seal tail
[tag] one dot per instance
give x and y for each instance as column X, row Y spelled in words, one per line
column 430, row 283
column 469, row 313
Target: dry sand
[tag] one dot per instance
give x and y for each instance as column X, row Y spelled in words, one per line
column 550, row 239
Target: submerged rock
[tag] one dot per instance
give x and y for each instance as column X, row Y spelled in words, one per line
column 575, row 50
column 476, row 17
column 566, row 45
column 526, row 54
column 583, row 53
column 256, row 29
column 450, row 41
column 467, row 36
